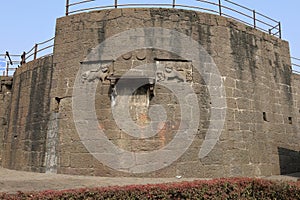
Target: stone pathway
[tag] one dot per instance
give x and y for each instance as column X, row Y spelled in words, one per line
column 12, row 181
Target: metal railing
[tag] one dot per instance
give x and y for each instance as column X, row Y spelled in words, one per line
column 224, row 8
column 295, row 65
column 37, row 48
column 9, row 64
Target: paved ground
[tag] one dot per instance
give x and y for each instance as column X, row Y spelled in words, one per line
column 13, row 181
column 289, row 177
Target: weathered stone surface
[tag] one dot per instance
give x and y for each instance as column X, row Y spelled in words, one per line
column 5, row 95
column 261, row 132
column 28, row 116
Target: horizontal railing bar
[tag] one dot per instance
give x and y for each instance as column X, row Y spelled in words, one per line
column 30, row 50
column 39, row 51
column 11, row 55
column 46, row 41
column 196, row 7
column 124, row 5
column 81, row 2
column 250, row 17
column 212, row 3
column 146, row 4
column 258, row 13
column 266, row 17
column 295, row 65
column 176, row 5
column 241, row 13
column 45, row 48
column 92, row 8
column 239, row 5
column 29, row 56
column 34, row 50
column 247, row 23
column 295, row 58
column 265, row 23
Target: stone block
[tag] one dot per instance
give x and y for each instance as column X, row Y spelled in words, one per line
column 215, row 171
column 80, row 160
column 184, row 168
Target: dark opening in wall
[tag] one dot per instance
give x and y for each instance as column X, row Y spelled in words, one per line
column 9, row 87
column 290, row 120
column 57, row 99
column 265, row 116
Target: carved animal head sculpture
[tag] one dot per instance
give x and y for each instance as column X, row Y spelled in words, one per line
column 101, row 73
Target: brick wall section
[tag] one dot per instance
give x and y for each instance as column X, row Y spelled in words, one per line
column 24, row 142
column 5, row 95
column 260, row 135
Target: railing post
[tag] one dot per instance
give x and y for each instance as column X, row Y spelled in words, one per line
column 35, row 51
column 116, row 3
column 67, row 7
column 23, row 58
column 174, row 3
column 9, row 58
column 7, row 68
column 254, row 19
column 220, row 8
column 279, row 26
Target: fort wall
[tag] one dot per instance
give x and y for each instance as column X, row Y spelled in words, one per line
column 25, row 137
column 261, row 132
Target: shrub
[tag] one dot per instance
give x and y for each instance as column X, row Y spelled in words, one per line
column 226, row 188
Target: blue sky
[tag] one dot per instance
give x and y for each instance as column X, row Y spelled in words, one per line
column 26, row 22
column 2, row 63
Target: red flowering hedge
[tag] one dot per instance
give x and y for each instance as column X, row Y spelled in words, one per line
column 232, row 188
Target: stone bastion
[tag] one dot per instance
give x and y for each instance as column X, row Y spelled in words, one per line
column 259, row 136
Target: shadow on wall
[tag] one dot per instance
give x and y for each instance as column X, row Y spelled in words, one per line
column 289, row 161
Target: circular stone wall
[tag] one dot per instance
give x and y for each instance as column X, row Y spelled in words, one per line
column 206, row 96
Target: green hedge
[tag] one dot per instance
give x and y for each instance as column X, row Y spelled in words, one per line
column 229, row 188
